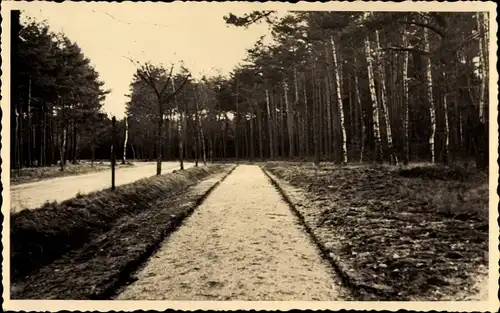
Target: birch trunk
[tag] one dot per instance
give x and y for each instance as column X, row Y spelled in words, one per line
column 373, row 95
column 124, row 160
column 383, row 98
column 432, row 110
column 179, row 129
column 361, row 115
column 406, row 137
column 340, row 104
column 481, row 70
column 446, row 129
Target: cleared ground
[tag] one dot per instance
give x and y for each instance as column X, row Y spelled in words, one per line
column 242, row 243
column 34, row 195
column 418, row 233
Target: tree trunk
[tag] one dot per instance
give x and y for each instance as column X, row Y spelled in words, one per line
column 252, row 139
column 282, row 128
column 124, row 159
column 340, row 104
column 432, row 110
column 306, row 120
column 224, row 134
column 30, row 161
column 259, row 126
column 481, row 69
column 383, row 99
column 179, row 129
column 315, row 115
column 446, row 129
column 329, row 137
column 373, row 94
column 361, row 115
column 62, row 148
column 289, row 121
column 406, row 137
column 73, row 153
column 200, row 135
column 270, row 127
column 159, row 141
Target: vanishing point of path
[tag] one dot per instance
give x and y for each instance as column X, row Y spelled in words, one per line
column 34, row 195
column 242, row 243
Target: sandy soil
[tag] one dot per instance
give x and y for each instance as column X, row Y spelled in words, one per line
column 242, row 243
column 34, row 195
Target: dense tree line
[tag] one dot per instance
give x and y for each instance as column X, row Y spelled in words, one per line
column 57, row 100
column 339, row 86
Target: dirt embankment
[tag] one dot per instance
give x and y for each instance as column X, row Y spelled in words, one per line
column 38, row 237
column 396, row 235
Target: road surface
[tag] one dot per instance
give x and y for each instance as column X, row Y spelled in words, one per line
column 242, row 243
column 34, row 195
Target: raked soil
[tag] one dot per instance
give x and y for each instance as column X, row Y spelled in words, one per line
column 242, row 243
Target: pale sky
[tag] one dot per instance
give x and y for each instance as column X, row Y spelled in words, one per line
column 160, row 32
column 194, row 32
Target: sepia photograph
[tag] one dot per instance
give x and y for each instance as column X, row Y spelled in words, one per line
column 245, row 155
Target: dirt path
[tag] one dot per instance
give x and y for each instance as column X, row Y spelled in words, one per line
column 33, row 195
column 242, row 243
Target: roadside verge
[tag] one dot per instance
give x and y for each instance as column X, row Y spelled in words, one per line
column 145, row 213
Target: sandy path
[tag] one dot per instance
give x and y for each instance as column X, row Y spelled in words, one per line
column 33, row 195
column 242, row 243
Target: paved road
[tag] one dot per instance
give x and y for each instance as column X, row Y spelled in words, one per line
column 33, row 195
column 242, row 243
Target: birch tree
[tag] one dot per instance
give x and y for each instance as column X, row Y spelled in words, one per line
column 432, row 110
column 339, row 101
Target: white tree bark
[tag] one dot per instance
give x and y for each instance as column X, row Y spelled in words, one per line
column 361, row 115
column 339, row 99
column 124, row 160
column 179, row 128
column 373, row 95
column 481, row 69
column 432, row 109
column 383, row 98
column 406, row 138
column 445, row 108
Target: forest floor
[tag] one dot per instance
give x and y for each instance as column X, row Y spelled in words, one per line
column 419, row 233
column 35, row 194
